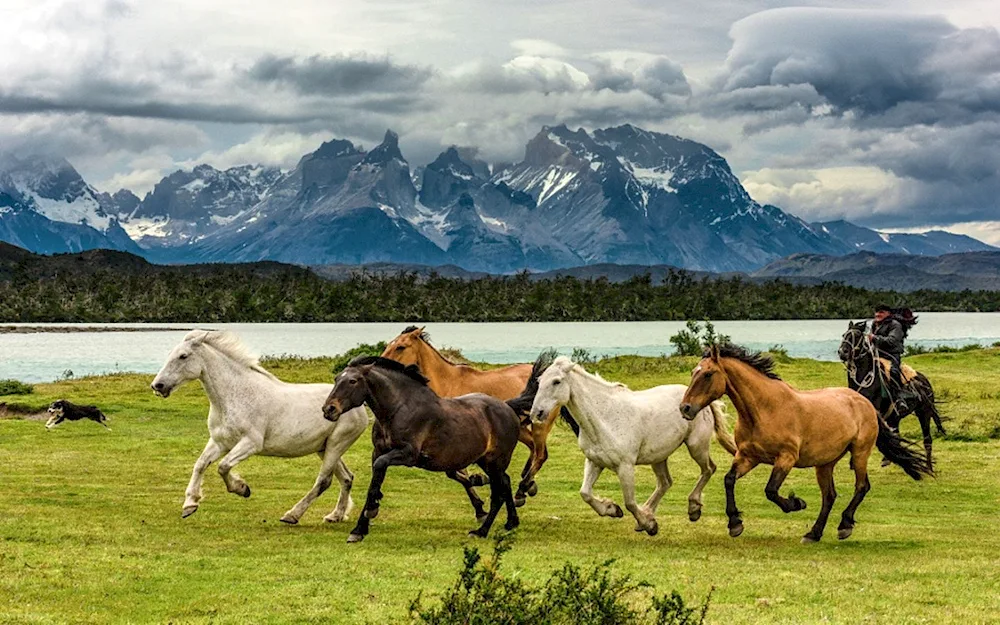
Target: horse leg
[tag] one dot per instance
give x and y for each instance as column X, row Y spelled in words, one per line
column 892, row 419
column 497, row 481
column 824, row 475
column 741, row 466
column 859, row 462
column 698, row 449
column 403, row 456
column 925, row 428
column 240, row 452
column 344, row 503
column 336, row 445
column 192, row 496
column 540, row 436
column 783, row 464
column 512, row 520
column 526, row 437
column 663, row 484
column 474, row 499
column 644, row 522
column 602, row 506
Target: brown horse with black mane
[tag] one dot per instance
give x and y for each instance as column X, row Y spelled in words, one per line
column 449, row 379
column 428, row 432
column 787, row 428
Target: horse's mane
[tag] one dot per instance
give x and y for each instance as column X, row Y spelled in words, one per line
column 410, row 371
column 594, row 376
column 425, row 336
column 757, row 360
column 229, row 344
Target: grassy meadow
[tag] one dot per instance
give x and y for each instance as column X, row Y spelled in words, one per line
column 90, row 527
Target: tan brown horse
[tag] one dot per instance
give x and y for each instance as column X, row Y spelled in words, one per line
column 786, row 428
column 449, row 379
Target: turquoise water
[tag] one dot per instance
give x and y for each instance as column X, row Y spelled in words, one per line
column 46, row 356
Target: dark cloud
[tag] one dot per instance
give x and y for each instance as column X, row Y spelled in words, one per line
column 657, row 76
column 338, row 75
column 871, row 67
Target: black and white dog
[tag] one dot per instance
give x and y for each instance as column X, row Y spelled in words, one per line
column 63, row 410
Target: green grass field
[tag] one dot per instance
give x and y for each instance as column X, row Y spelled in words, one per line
column 90, row 527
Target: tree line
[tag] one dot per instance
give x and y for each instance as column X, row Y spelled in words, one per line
column 231, row 293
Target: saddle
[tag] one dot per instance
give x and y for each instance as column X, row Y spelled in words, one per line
column 907, row 372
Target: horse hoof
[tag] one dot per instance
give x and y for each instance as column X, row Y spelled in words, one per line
column 654, row 529
column 533, row 489
column 519, row 501
column 694, row 515
column 886, row 462
column 477, row 534
column 736, row 530
column 809, row 540
column 291, row 520
column 617, row 512
column 355, row 538
column 511, row 525
column 188, row 511
column 334, row 518
column 797, row 503
column 245, row 493
column 845, row 533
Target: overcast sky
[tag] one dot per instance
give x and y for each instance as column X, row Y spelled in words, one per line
column 885, row 112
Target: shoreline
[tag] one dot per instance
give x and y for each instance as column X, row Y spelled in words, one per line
column 9, row 329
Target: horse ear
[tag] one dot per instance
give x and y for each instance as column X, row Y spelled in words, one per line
column 713, row 350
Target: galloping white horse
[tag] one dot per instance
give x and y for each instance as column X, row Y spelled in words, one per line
column 620, row 428
column 253, row 412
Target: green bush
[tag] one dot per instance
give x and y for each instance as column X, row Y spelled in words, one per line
column 342, row 360
column 916, row 350
column 15, row 387
column 572, row 595
column 694, row 338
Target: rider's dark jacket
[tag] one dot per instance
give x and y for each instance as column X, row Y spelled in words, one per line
column 888, row 338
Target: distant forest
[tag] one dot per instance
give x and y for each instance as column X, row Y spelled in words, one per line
column 134, row 291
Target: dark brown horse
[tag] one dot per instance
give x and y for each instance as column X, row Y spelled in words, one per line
column 449, row 379
column 860, row 358
column 427, row 431
column 787, row 428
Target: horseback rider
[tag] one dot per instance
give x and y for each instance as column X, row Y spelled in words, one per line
column 889, row 330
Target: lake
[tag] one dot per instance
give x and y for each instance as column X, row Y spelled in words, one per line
column 44, row 356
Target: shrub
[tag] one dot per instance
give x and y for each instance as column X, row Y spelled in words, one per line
column 572, row 595
column 693, row 340
column 582, row 356
column 15, row 387
column 342, row 360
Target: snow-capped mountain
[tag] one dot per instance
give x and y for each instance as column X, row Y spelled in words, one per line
column 618, row 195
column 46, row 206
column 931, row 243
column 188, row 205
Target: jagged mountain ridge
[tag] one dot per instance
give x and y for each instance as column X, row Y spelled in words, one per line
column 47, row 207
column 618, row 195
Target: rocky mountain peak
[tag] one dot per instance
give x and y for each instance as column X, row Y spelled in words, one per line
column 386, row 151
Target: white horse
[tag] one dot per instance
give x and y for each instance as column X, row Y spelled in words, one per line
column 253, row 412
column 620, row 428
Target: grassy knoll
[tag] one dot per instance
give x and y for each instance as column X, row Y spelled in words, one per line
column 90, row 527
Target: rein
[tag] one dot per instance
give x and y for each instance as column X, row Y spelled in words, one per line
column 852, row 367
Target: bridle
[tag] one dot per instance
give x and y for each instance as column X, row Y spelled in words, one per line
column 856, row 339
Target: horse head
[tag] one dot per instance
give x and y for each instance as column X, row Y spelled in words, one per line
column 852, row 342
column 553, row 389
column 350, row 389
column 708, row 383
column 184, row 363
column 408, row 347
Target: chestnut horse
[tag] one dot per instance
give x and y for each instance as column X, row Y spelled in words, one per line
column 787, row 428
column 428, row 431
column 448, row 379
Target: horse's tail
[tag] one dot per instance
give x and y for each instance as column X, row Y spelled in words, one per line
column 522, row 403
column 722, row 427
column 902, row 452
